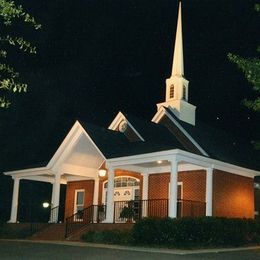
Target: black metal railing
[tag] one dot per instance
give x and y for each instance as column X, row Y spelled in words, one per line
column 91, row 214
column 128, row 211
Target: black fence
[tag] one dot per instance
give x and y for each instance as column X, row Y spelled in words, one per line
column 129, row 211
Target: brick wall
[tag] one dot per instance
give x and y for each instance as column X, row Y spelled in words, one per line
column 233, row 195
column 194, row 185
column 87, row 185
column 194, row 188
column 117, row 174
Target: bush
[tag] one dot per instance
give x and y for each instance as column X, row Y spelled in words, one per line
column 196, row 232
column 108, row 237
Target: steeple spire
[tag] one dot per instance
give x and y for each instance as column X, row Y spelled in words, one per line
column 178, row 62
column 177, row 87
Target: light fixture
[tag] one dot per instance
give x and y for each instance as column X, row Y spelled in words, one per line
column 159, row 162
column 45, row 204
column 102, row 172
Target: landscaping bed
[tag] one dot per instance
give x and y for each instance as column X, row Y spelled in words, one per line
column 201, row 232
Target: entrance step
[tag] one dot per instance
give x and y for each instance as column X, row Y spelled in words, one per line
column 76, row 236
column 51, row 232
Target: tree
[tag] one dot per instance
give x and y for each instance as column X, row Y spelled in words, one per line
column 10, row 15
column 251, row 69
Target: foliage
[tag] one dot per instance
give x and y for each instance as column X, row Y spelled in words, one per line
column 10, row 13
column 127, row 212
column 196, row 232
column 251, row 69
column 120, row 237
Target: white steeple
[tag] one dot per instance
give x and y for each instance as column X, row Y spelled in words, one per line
column 178, row 67
column 177, row 87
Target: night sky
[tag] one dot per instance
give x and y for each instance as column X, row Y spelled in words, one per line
column 98, row 57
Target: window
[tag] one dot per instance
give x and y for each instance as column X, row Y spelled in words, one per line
column 79, row 202
column 172, row 91
column 184, row 92
column 124, row 182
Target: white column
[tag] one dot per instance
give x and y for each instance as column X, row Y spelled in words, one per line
column 209, row 191
column 95, row 200
column 110, row 196
column 96, row 190
column 145, row 194
column 13, row 217
column 55, row 197
column 173, row 189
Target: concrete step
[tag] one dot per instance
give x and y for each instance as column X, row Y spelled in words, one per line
column 51, row 232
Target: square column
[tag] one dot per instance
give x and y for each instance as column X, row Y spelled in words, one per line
column 209, row 191
column 96, row 189
column 145, row 194
column 95, row 201
column 110, row 196
column 55, row 198
column 14, row 209
column 173, row 189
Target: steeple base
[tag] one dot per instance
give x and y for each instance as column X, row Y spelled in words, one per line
column 181, row 109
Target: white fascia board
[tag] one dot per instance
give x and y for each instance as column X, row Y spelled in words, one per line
column 142, row 158
column 216, row 164
column 159, row 114
column 115, row 123
column 68, row 144
column 162, row 111
column 180, row 155
column 29, row 172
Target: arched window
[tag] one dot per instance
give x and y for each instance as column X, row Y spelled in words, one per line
column 172, row 91
column 124, row 182
column 184, row 92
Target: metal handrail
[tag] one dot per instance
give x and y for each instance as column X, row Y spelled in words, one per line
column 90, row 214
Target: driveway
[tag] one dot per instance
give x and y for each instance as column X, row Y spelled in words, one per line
column 38, row 250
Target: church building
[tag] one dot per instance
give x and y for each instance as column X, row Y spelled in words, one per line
column 168, row 166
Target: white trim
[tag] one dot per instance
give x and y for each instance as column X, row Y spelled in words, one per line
column 59, row 156
column 75, row 199
column 182, row 156
column 117, row 120
column 162, row 111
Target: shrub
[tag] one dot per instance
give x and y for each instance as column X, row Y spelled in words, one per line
column 198, row 232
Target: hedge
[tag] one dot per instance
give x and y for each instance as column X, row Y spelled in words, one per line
column 198, row 232
column 183, row 233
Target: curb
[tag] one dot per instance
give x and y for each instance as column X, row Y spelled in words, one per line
column 137, row 249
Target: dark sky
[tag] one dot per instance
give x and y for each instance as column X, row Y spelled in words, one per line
column 98, row 57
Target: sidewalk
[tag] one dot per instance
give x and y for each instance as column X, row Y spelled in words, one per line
column 139, row 249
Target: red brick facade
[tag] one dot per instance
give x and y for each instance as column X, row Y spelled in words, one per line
column 87, row 185
column 193, row 184
column 233, row 195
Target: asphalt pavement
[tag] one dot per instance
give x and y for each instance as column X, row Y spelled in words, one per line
column 24, row 249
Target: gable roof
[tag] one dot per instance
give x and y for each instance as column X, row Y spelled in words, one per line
column 220, row 145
